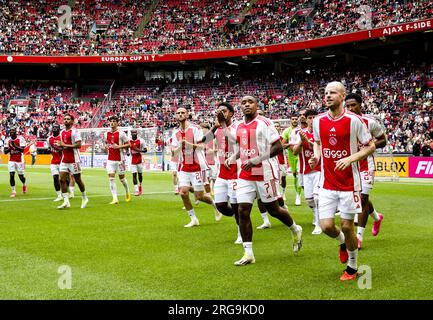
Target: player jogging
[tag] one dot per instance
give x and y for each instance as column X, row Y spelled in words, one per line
column 209, row 150
column 258, row 143
column 137, row 147
column 185, row 142
column 353, row 103
column 56, row 158
column 293, row 160
column 116, row 141
column 282, row 163
column 223, row 134
column 302, row 145
column 70, row 142
column 15, row 146
column 337, row 134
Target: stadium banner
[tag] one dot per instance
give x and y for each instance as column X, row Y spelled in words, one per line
column 421, row 167
column 388, row 166
column 151, row 161
column 362, row 35
column 40, row 159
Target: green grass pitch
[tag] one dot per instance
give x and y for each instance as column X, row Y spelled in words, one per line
column 140, row 250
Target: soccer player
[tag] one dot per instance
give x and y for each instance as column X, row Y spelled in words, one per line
column 258, row 143
column 302, row 145
column 224, row 133
column 137, row 147
column 337, row 134
column 353, row 103
column 293, row 160
column 295, row 132
column 70, row 142
column 56, row 153
column 185, row 142
column 174, row 164
column 282, row 163
column 209, row 150
column 116, row 141
column 15, row 146
column 262, row 209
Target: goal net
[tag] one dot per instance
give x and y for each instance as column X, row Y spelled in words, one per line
column 93, row 155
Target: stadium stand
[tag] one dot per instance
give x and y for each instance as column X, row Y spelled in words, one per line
column 131, row 27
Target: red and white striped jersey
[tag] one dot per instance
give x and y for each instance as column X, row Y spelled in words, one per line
column 56, row 152
column 70, row 155
column 190, row 160
column 225, row 151
column 307, row 151
column 14, row 154
column 376, row 131
column 118, row 138
column 136, row 147
column 340, row 138
column 282, row 156
column 255, row 139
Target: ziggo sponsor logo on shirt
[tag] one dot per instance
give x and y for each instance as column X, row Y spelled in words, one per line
column 225, row 155
column 248, row 152
column 334, row 154
column 309, row 153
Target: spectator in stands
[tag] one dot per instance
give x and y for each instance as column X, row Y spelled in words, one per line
column 426, row 151
column 416, row 149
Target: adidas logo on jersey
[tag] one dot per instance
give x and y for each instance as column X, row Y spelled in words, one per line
column 332, row 130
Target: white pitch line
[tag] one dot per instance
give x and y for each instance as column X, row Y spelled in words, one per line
column 95, row 196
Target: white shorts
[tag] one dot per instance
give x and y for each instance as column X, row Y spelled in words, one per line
column 283, row 170
column 55, row 169
column 367, row 181
column 347, row 202
column 225, row 190
column 74, row 168
column 300, row 179
column 311, row 184
column 191, row 179
column 137, row 168
column 173, row 166
column 118, row 167
column 16, row 167
column 247, row 191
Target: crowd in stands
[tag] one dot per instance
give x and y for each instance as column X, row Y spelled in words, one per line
column 47, row 105
column 396, row 95
column 399, row 94
column 31, row 28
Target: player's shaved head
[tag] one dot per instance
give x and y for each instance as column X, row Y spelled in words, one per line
column 335, row 92
column 336, row 85
column 181, row 114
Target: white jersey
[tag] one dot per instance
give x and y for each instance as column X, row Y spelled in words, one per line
column 190, row 160
column 255, row 139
